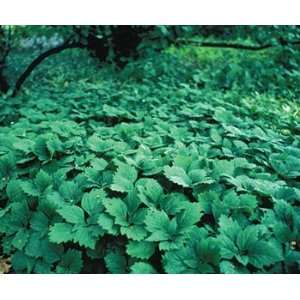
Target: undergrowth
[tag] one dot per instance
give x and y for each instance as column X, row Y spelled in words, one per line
column 185, row 162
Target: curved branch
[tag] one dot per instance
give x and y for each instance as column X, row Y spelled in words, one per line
column 235, row 45
column 38, row 60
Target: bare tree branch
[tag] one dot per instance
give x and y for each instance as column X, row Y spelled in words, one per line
column 38, row 60
column 234, row 45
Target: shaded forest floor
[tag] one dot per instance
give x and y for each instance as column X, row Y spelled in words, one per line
column 228, row 119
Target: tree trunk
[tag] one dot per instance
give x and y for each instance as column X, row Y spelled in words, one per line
column 3, row 53
column 121, row 42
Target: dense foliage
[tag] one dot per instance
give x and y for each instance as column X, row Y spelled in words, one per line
column 186, row 161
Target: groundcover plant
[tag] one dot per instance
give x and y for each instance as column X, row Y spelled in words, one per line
column 184, row 161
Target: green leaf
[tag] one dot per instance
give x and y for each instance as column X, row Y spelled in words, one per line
column 156, row 221
column 142, row 268
column 85, row 237
column 72, row 214
column 42, row 268
column 142, row 250
column 206, row 199
column 29, row 188
column 54, row 145
column 132, row 202
column 197, row 176
column 138, row 216
column 248, row 202
column 223, row 167
column 107, row 223
column 42, row 180
column 284, row 221
column 115, row 262
column 229, row 230
column 99, row 164
column 116, row 208
column 96, row 144
column 163, row 230
column 265, row 253
column 20, row 239
column 182, row 161
column 243, row 202
column 174, row 203
column 287, row 164
column 7, row 166
column 134, row 232
column 215, row 136
column 189, row 216
column 39, row 222
column 51, row 253
column 33, row 247
column 71, row 262
column 92, row 201
column 61, row 233
column 247, row 245
column 150, row 191
column 287, row 193
column 14, row 190
column 40, row 149
column 22, row 262
column 227, row 267
column 199, row 255
column 124, row 178
column 70, row 191
column 178, row 176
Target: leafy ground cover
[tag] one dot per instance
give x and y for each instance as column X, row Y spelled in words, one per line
column 186, row 162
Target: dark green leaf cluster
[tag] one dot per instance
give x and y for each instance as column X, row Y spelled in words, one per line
column 149, row 176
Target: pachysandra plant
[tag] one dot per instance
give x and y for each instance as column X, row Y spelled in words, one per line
column 169, row 166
